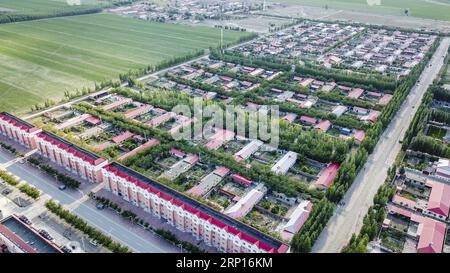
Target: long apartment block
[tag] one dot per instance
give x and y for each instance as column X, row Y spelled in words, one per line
column 186, row 214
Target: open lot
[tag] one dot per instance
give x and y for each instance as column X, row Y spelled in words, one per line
column 42, row 59
column 437, row 9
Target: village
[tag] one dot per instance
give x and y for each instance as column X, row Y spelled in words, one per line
column 335, row 87
column 192, row 11
column 347, row 47
column 418, row 211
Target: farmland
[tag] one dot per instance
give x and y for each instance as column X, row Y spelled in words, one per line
column 46, row 6
column 23, row 10
column 42, row 59
column 439, row 9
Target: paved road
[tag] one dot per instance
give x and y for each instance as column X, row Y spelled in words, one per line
column 130, row 235
column 348, row 219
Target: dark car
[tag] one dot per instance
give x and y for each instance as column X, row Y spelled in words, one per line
column 62, row 187
column 24, row 219
column 65, row 249
column 45, row 234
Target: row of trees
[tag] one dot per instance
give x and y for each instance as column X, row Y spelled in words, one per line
column 69, row 10
column 313, row 144
column 24, row 187
column 318, row 218
column 371, row 82
column 66, row 180
column 440, row 93
column 418, row 123
column 9, row 148
column 30, row 191
column 129, row 215
column 440, row 116
column 12, row 17
column 11, row 180
column 373, row 219
column 352, row 165
column 377, row 212
column 145, row 159
column 414, row 137
column 169, row 236
column 430, row 145
column 81, row 225
column 119, row 121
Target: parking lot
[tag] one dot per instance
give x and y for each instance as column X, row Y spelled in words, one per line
column 64, row 235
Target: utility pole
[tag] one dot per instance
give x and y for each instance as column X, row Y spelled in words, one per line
column 221, row 39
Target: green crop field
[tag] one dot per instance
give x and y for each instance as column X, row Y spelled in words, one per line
column 431, row 9
column 42, row 59
column 41, row 7
column 44, row 6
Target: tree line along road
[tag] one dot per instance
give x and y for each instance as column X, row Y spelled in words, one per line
column 348, row 218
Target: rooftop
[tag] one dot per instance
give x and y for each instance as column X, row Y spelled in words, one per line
column 80, row 152
column 25, row 237
column 247, row 233
column 326, row 178
column 25, row 125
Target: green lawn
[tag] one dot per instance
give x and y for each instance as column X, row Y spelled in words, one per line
column 432, row 9
column 41, row 59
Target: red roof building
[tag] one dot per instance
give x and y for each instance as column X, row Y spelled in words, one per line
column 122, row 137
column 240, row 179
column 431, row 234
column 188, row 214
column 177, row 153
column 355, row 93
column 323, row 126
column 64, row 153
column 18, row 130
column 385, row 99
column 327, row 176
column 439, row 199
column 146, row 145
column 93, row 120
column 308, row 120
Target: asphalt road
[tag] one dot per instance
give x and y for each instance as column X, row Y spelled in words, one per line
column 348, row 218
column 130, row 235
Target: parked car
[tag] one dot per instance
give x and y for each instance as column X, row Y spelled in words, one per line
column 24, row 219
column 66, row 249
column 62, row 187
column 100, row 206
column 45, row 234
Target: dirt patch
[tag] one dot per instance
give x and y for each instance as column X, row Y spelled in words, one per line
column 355, row 16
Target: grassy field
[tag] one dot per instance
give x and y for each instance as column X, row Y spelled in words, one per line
column 45, row 6
column 431, row 9
column 41, row 59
